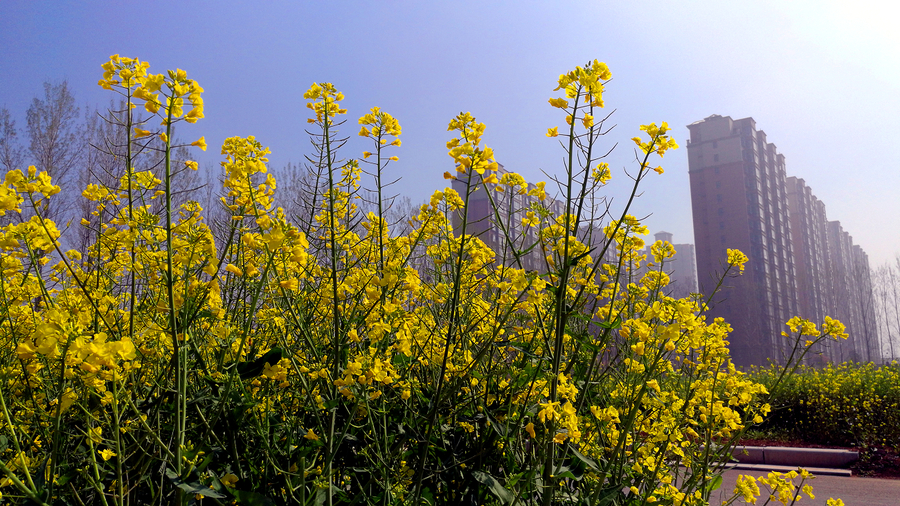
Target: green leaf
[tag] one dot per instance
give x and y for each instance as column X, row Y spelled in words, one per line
column 574, row 260
column 253, row 369
column 611, row 325
column 500, row 429
column 192, row 488
column 528, row 249
column 252, row 498
column 216, row 482
column 565, row 472
column 587, row 461
column 494, row 486
column 64, row 479
column 714, row 484
column 322, row 495
column 609, row 495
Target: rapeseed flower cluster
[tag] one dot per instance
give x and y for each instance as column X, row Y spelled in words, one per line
column 848, row 404
column 340, row 358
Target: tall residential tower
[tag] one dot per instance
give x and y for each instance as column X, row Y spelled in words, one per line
column 739, row 201
column 800, row 264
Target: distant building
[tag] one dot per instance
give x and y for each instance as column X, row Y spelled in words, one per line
column 488, row 225
column 809, row 236
column 800, row 264
column 738, row 201
column 852, row 300
column 682, row 268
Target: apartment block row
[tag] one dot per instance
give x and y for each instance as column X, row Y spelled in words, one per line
column 492, row 226
column 489, row 225
column 800, row 262
column 681, row 268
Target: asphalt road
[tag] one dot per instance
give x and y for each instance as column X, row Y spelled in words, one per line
column 854, row 491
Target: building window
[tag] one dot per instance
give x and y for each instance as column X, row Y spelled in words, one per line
column 715, row 144
column 717, row 169
column 718, row 184
column 716, row 158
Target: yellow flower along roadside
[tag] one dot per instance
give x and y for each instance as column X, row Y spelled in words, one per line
column 846, row 404
column 270, row 360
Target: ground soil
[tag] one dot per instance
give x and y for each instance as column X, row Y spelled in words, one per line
column 874, row 462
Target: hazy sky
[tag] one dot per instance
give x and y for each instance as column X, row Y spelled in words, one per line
column 819, row 77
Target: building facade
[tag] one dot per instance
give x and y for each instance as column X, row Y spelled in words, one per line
column 800, row 263
column 488, row 224
column 681, row 268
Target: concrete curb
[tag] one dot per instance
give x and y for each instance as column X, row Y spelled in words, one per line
column 816, row 471
column 824, row 461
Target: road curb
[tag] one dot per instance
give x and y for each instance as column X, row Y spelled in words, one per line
column 816, row 471
column 825, row 461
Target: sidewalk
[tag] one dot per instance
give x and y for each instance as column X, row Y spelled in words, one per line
column 854, row 491
column 830, row 467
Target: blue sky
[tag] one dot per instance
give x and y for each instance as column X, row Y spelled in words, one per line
column 820, row 78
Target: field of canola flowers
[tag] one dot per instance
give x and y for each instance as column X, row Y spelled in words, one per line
column 274, row 359
column 849, row 405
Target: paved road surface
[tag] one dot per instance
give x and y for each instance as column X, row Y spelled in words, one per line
column 854, row 491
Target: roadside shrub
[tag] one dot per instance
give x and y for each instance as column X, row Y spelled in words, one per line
column 848, row 404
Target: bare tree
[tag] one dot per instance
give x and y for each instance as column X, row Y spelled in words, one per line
column 884, row 292
column 187, row 183
column 886, row 287
column 400, row 215
column 300, row 193
column 892, row 287
column 866, row 313
column 55, row 140
column 102, row 165
column 210, row 197
column 11, row 153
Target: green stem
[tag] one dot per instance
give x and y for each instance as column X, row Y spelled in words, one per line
column 178, row 362
column 451, row 327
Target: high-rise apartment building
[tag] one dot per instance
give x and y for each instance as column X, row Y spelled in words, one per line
column 488, row 224
column 739, row 201
column 800, row 263
column 681, row 268
column 809, row 238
